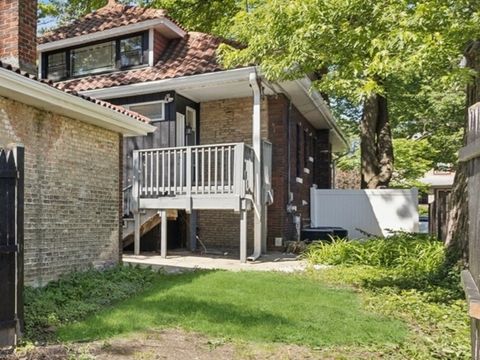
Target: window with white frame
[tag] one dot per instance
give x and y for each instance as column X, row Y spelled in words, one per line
column 154, row 110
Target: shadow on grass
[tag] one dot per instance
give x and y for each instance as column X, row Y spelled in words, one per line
column 250, row 306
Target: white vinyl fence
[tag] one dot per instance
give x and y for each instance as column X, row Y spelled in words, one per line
column 375, row 212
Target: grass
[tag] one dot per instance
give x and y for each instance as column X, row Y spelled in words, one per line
column 407, row 277
column 259, row 307
column 77, row 295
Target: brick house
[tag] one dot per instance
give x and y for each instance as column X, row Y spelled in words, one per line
column 142, row 59
column 73, row 154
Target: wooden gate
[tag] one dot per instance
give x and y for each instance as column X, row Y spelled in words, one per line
column 11, row 245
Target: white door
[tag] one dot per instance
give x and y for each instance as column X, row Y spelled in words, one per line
column 180, row 129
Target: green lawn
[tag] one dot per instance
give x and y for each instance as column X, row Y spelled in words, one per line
column 261, row 307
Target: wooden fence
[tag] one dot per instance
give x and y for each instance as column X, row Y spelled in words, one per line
column 11, row 245
column 471, row 278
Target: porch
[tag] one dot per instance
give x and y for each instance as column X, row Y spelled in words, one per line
column 191, row 178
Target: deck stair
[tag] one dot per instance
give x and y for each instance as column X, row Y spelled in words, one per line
column 149, row 219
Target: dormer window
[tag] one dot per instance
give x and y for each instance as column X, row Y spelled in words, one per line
column 116, row 54
column 93, row 59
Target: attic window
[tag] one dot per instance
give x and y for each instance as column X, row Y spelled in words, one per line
column 115, row 54
column 93, row 59
column 57, row 66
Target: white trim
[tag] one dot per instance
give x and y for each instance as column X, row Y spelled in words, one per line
column 151, row 46
column 46, row 97
column 173, row 30
column 177, row 84
column 306, row 85
column 163, row 102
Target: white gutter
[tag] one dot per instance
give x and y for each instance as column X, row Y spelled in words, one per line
column 43, row 96
column 173, row 84
column 319, row 102
column 257, row 148
column 172, row 29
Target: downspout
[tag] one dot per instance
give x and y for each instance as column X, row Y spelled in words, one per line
column 257, row 148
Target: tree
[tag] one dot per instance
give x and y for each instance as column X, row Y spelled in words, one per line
column 374, row 52
column 211, row 16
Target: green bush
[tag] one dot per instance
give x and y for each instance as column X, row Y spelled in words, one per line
column 76, row 295
column 409, row 253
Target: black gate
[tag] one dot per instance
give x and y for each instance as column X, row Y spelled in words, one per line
column 11, row 245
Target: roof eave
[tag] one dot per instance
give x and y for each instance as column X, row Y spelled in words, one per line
column 42, row 96
column 170, row 30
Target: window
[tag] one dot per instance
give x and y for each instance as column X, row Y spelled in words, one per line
column 306, row 150
column 191, row 125
column 299, row 161
column 131, row 51
column 57, row 66
column 116, row 54
column 93, row 59
column 153, row 110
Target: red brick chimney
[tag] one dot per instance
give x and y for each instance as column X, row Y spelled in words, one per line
column 18, row 33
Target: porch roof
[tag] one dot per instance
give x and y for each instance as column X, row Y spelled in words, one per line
column 229, row 84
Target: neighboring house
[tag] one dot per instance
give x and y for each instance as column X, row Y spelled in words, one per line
column 142, row 59
column 73, row 155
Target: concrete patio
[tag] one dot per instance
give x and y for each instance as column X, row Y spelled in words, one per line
column 181, row 261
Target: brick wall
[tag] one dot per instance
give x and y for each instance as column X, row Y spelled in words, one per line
column 225, row 121
column 71, row 191
column 286, row 122
column 18, row 33
column 231, row 121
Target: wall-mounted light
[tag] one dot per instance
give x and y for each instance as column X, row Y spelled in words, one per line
column 168, row 98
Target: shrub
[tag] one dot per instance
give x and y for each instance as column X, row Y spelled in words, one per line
column 409, row 253
column 76, row 295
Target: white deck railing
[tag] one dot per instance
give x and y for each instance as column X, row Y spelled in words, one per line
column 223, row 169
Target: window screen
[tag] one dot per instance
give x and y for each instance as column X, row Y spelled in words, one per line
column 57, row 66
column 131, row 51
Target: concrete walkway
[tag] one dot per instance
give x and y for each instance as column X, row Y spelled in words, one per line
column 177, row 262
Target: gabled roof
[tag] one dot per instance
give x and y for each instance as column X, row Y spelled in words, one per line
column 111, row 16
column 192, row 55
column 98, row 102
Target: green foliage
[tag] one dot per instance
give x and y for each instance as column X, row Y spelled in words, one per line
column 404, row 252
column 211, row 16
column 413, row 158
column 410, row 278
column 77, row 295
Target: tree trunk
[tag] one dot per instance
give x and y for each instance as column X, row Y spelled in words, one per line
column 376, row 143
column 457, row 230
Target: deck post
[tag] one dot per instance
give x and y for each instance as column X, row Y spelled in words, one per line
column 163, row 233
column 135, row 203
column 193, row 230
column 243, row 231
